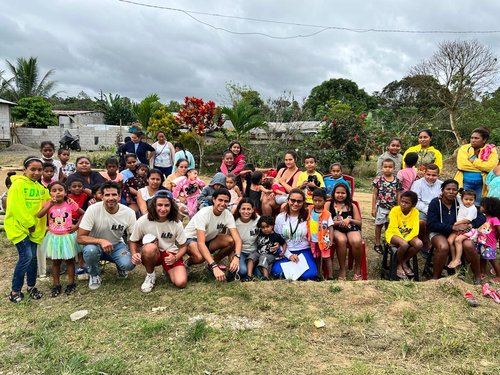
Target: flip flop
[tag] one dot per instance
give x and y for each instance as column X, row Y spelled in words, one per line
column 488, row 292
column 401, row 275
column 409, row 273
column 471, row 300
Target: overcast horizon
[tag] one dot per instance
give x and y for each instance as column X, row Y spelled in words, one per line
column 133, row 51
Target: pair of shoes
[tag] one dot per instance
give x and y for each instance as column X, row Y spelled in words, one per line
column 55, row 291
column 82, row 273
column 357, row 277
column 122, row 274
column 34, row 293
column 16, row 298
column 488, row 292
column 95, row 282
column 149, row 283
column 408, row 271
column 471, row 300
column 70, row 289
column 378, row 249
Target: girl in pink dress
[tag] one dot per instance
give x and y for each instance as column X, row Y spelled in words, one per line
column 189, row 190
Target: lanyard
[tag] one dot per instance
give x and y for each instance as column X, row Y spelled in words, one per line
column 293, row 231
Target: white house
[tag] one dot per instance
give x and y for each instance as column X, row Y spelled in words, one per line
column 5, row 120
column 73, row 119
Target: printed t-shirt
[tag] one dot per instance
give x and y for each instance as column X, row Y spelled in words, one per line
column 168, row 233
column 248, row 234
column 294, row 233
column 211, row 224
column 387, row 191
column 314, row 224
column 303, row 177
column 266, row 241
column 487, row 232
column 401, row 225
column 60, row 218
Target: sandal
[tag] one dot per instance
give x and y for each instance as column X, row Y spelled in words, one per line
column 408, row 271
column 401, row 275
column 16, row 298
column 35, row 293
column 70, row 289
column 488, row 292
column 357, row 277
column 55, row 291
column 378, row 249
column 471, row 300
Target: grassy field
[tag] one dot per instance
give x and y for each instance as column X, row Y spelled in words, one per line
column 372, row 327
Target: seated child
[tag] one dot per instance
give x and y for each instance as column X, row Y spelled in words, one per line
column 234, row 190
column 334, row 178
column 133, row 184
column 267, row 248
column 256, row 190
column 64, row 165
column 408, row 174
column 488, row 235
column 190, row 189
column 311, row 179
column 320, row 233
column 402, row 232
column 466, row 213
column 205, row 197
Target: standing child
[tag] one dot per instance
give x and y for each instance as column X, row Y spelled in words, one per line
column 65, row 166
column 267, row 242
column 466, row 213
column 191, row 189
column 48, row 172
column 131, row 166
column 60, row 241
column 488, row 235
column 48, row 149
column 385, row 196
column 393, row 149
column 234, row 190
column 133, row 184
column 22, row 227
column 408, row 174
column 112, row 173
column 320, row 233
column 334, row 178
column 402, row 232
column 8, row 184
column 77, row 194
column 311, row 179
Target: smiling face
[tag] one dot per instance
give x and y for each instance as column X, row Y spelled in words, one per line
column 110, row 199
column 235, row 149
column 394, row 147
column 220, row 204
column 295, row 201
column 33, row 171
column 431, row 176
column 228, row 159
column 134, row 138
column 340, row 194
column 246, row 211
column 230, row 183
column 162, row 208
column 310, row 164
column 424, row 139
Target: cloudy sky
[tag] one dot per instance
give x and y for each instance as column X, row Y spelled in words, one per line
column 132, row 50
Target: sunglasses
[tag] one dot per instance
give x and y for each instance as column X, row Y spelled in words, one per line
column 295, row 201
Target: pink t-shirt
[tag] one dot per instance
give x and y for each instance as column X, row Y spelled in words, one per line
column 407, row 177
column 487, row 232
column 59, row 218
column 118, row 178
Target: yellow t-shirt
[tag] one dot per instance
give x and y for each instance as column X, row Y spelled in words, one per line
column 303, row 176
column 401, row 225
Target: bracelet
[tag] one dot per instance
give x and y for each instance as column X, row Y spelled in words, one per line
column 237, row 255
column 213, row 265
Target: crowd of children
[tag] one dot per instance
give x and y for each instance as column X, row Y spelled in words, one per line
column 50, row 204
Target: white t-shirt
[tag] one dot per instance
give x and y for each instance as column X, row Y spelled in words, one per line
column 469, row 213
column 248, row 234
column 145, row 193
column 111, row 227
column 294, row 233
column 207, row 221
column 162, row 154
column 168, row 233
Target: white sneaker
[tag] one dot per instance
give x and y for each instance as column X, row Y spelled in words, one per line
column 149, row 283
column 122, row 274
column 95, row 282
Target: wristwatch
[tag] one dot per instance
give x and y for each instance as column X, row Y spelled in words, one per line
column 237, row 255
column 213, row 265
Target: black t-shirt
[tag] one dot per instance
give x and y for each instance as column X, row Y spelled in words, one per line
column 266, row 241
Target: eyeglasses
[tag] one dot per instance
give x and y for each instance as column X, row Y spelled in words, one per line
column 163, row 194
column 295, row 201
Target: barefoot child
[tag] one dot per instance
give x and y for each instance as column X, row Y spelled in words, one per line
column 488, row 235
column 267, row 248
column 402, row 232
column 320, row 233
column 60, row 241
column 466, row 213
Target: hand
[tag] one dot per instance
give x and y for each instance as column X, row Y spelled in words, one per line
column 219, row 275
column 374, row 212
column 73, row 228
column 345, row 223
column 31, row 229
column 70, row 201
column 275, row 247
column 92, row 201
column 294, row 258
column 106, row 246
column 234, row 265
column 170, row 259
column 136, row 259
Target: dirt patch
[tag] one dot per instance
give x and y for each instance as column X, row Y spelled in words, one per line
column 236, row 323
column 18, row 147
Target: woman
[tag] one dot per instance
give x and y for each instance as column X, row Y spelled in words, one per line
column 160, row 232
column 287, row 177
column 163, row 155
column 155, row 181
column 182, row 153
column 441, row 219
column 427, row 154
column 85, row 175
column 238, row 162
column 246, row 223
column 137, row 146
column 292, row 226
column 493, row 182
column 179, row 174
column 474, row 161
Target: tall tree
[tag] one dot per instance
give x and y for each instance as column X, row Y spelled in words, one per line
column 25, row 80
column 463, row 70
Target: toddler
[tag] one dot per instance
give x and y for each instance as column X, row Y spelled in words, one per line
column 133, row 184
column 190, row 188
column 488, row 235
column 234, row 190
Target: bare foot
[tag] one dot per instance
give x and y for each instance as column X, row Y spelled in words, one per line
column 454, row 263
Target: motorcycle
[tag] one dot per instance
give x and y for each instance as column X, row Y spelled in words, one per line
column 70, row 142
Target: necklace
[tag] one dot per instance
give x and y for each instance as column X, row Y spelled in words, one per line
column 338, row 212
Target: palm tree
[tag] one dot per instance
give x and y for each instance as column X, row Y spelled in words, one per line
column 244, row 117
column 145, row 109
column 25, row 80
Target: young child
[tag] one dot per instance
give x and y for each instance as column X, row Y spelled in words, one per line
column 81, row 198
column 131, row 166
column 347, row 229
column 191, row 189
column 393, row 149
column 334, row 178
column 385, row 196
column 466, row 213
column 234, row 190
column 265, row 254
column 280, row 194
column 96, row 195
column 227, row 164
column 320, row 233
column 48, row 172
column 311, row 179
column 402, row 232
column 65, row 166
column 408, row 174
column 112, row 173
column 133, row 184
column 256, row 189
column 47, row 150
column 205, row 197
column 8, row 184
column 22, row 226
column 60, row 241
column 488, row 235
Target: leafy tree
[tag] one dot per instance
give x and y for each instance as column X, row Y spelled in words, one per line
column 144, row 110
column 173, row 106
column 116, row 109
column 165, row 121
column 25, row 80
column 80, row 102
column 462, row 70
column 244, row 118
column 283, row 109
column 200, row 118
column 35, row 112
column 342, row 90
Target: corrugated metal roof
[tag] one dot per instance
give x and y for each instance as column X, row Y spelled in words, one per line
column 2, row 101
column 71, row 113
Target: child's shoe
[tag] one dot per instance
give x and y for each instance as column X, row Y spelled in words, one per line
column 70, row 289
column 82, row 273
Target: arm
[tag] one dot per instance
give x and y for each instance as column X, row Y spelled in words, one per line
column 136, row 256
column 415, row 226
column 478, row 221
column 434, row 220
column 239, row 166
column 83, row 238
column 14, row 198
column 463, row 162
column 356, row 216
column 46, row 207
column 439, row 160
column 374, row 201
column 235, row 262
column 487, row 165
column 172, row 153
column 142, row 204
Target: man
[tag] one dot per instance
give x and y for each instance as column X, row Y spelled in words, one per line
column 101, row 231
column 206, row 233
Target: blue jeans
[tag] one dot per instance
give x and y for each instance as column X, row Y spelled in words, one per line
column 26, row 265
column 243, row 266
column 120, row 256
column 167, row 171
column 477, row 186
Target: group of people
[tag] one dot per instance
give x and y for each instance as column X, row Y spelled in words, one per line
column 258, row 218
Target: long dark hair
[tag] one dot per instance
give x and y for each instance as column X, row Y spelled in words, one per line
column 235, row 143
column 173, row 215
column 303, row 213
column 242, row 201
column 348, row 198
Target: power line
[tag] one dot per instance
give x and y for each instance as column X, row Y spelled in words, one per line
column 322, row 28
